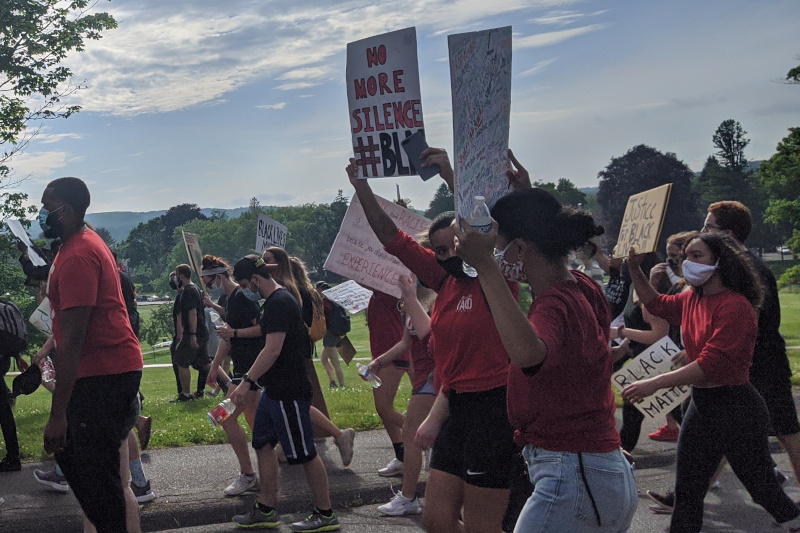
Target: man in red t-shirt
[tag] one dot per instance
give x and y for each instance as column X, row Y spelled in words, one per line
column 98, row 363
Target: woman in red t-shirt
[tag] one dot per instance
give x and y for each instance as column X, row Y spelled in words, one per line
column 559, row 387
column 473, row 446
column 726, row 415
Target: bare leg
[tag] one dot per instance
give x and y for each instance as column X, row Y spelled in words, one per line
column 267, row 476
column 671, row 423
column 418, row 408
column 324, row 423
column 238, row 440
column 317, row 479
column 384, row 401
column 132, row 520
column 444, row 498
column 325, row 359
column 484, row 508
column 250, row 407
column 186, row 379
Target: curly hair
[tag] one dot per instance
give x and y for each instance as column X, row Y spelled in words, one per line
column 735, row 268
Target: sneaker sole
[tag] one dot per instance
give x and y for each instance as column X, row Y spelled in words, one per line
column 55, row 486
column 258, row 525
column 150, row 496
column 658, row 503
column 657, row 509
column 332, row 527
column 403, row 513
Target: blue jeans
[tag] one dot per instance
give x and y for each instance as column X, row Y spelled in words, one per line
column 560, row 502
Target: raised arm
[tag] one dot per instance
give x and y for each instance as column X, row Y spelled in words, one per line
column 645, row 291
column 419, row 317
column 381, row 223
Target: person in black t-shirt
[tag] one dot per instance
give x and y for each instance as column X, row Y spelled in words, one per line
column 191, row 335
column 283, row 412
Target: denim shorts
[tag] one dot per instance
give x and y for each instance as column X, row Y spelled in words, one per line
column 561, row 503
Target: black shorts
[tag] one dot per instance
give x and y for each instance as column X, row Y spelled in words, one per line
column 331, row 339
column 185, row 356
column 101, row 412
column 777, row 393
column 476, row 442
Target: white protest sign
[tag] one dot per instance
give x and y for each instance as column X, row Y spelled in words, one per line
column 269, row 233
column 384, row 98
column 350, row 295
column 195, row 255
column 19, row 232
column 42, row 318
column 357, row 253
column 654, row 361
column 642, row 222
column 480, row 82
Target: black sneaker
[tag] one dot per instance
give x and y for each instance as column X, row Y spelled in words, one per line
column 256, row 519
column 316, row 522
column 666, row 502
column 182, row 398
column 9, row 464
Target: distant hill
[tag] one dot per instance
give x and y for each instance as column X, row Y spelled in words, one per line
column 120, row 223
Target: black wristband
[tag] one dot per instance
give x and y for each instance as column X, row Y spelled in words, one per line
column 236, row 334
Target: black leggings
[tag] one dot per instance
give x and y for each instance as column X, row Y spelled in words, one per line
column 7, row 423
column 732, row 422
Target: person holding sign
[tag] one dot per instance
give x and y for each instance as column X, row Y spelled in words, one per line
column 726, row 416
column 468, row 428
column 560, row 401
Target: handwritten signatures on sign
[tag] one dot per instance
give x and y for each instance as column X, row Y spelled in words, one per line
column 641, row 224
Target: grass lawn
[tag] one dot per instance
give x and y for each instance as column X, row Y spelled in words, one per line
column 186, row 423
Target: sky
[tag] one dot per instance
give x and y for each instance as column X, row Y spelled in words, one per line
column 214, row 103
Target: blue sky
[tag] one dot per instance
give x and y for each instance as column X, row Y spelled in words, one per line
column 214, row 102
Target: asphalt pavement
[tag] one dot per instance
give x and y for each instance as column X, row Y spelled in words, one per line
column 189, row 481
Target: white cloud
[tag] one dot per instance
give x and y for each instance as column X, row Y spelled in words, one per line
column 46, row 138
column 538, row 67
column 279, row 105
column 296, row 85
column 554, row 37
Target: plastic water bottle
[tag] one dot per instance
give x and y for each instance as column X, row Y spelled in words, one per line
column 481, row 220
column 216, row 319
column 48, row 370
column 221, row 412
column 366, row 375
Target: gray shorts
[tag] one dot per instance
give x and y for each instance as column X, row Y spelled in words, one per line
column 331, row 340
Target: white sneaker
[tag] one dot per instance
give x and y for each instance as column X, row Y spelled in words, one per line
column 345, row 445
column 241, row 484
column 400, row 505
column 394, row 468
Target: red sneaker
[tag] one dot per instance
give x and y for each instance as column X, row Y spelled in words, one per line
column 665, row 434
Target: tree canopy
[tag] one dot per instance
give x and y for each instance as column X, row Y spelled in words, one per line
column 566, row 192
column 780, row 175
column 36, row 36
column 640, row 169
column 730, row 142
column 442, row 201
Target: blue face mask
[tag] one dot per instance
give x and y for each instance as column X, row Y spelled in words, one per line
column 43, row 216
column 254, row 296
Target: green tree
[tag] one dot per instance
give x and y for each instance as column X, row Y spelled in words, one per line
column 780, row 175
column 106, row 236
column 159, row 326
column 730, row 142
column 443, row 200
column 566, row 192
column 642, row 168
column 36, row 36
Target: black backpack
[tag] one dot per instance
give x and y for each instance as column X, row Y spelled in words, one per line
column 340, row 320
column 13, row 336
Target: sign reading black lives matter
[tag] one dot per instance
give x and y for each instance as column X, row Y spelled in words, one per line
column 655, row 360
column 269, row 233
column 385, row 105
column 642, row 222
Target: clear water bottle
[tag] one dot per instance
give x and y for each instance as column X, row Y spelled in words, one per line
column 216, row 319
column 221, row 412
column 48, row 370
column 481, row 220
column 366, row 375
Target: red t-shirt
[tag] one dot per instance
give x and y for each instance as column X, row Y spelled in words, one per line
column 468, row 352
column 385, row 324
column 421, row 356
column 84, row 275
column 719, row 331
column 567, row 405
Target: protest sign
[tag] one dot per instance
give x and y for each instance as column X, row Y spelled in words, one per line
column 42, row 318
column 357, row 253
column 195, row 256
column 269, row 233
column 480, row 82
column 642, row 222
column 654, row 361
column 19, row 232
column 384, row 98
column 350, row 295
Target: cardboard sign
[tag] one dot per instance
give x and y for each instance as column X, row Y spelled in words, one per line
column 480, row 81
column 357, row 253
column 350, row 295
column 42, row 318
column 195, row 256
column 269, row 233
column 346, row 350
column 642, row 222
column 654, row 361
column 384, row 98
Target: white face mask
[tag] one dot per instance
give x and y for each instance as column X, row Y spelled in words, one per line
column 697, row 273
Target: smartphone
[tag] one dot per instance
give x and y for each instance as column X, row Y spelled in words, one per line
column 414, row 145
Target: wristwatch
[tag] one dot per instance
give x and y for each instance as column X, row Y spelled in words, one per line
column 246, row 378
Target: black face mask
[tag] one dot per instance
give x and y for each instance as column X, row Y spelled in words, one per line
column 454, row 266
column 55, row 227
column 673, row 264
column 173, row 285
